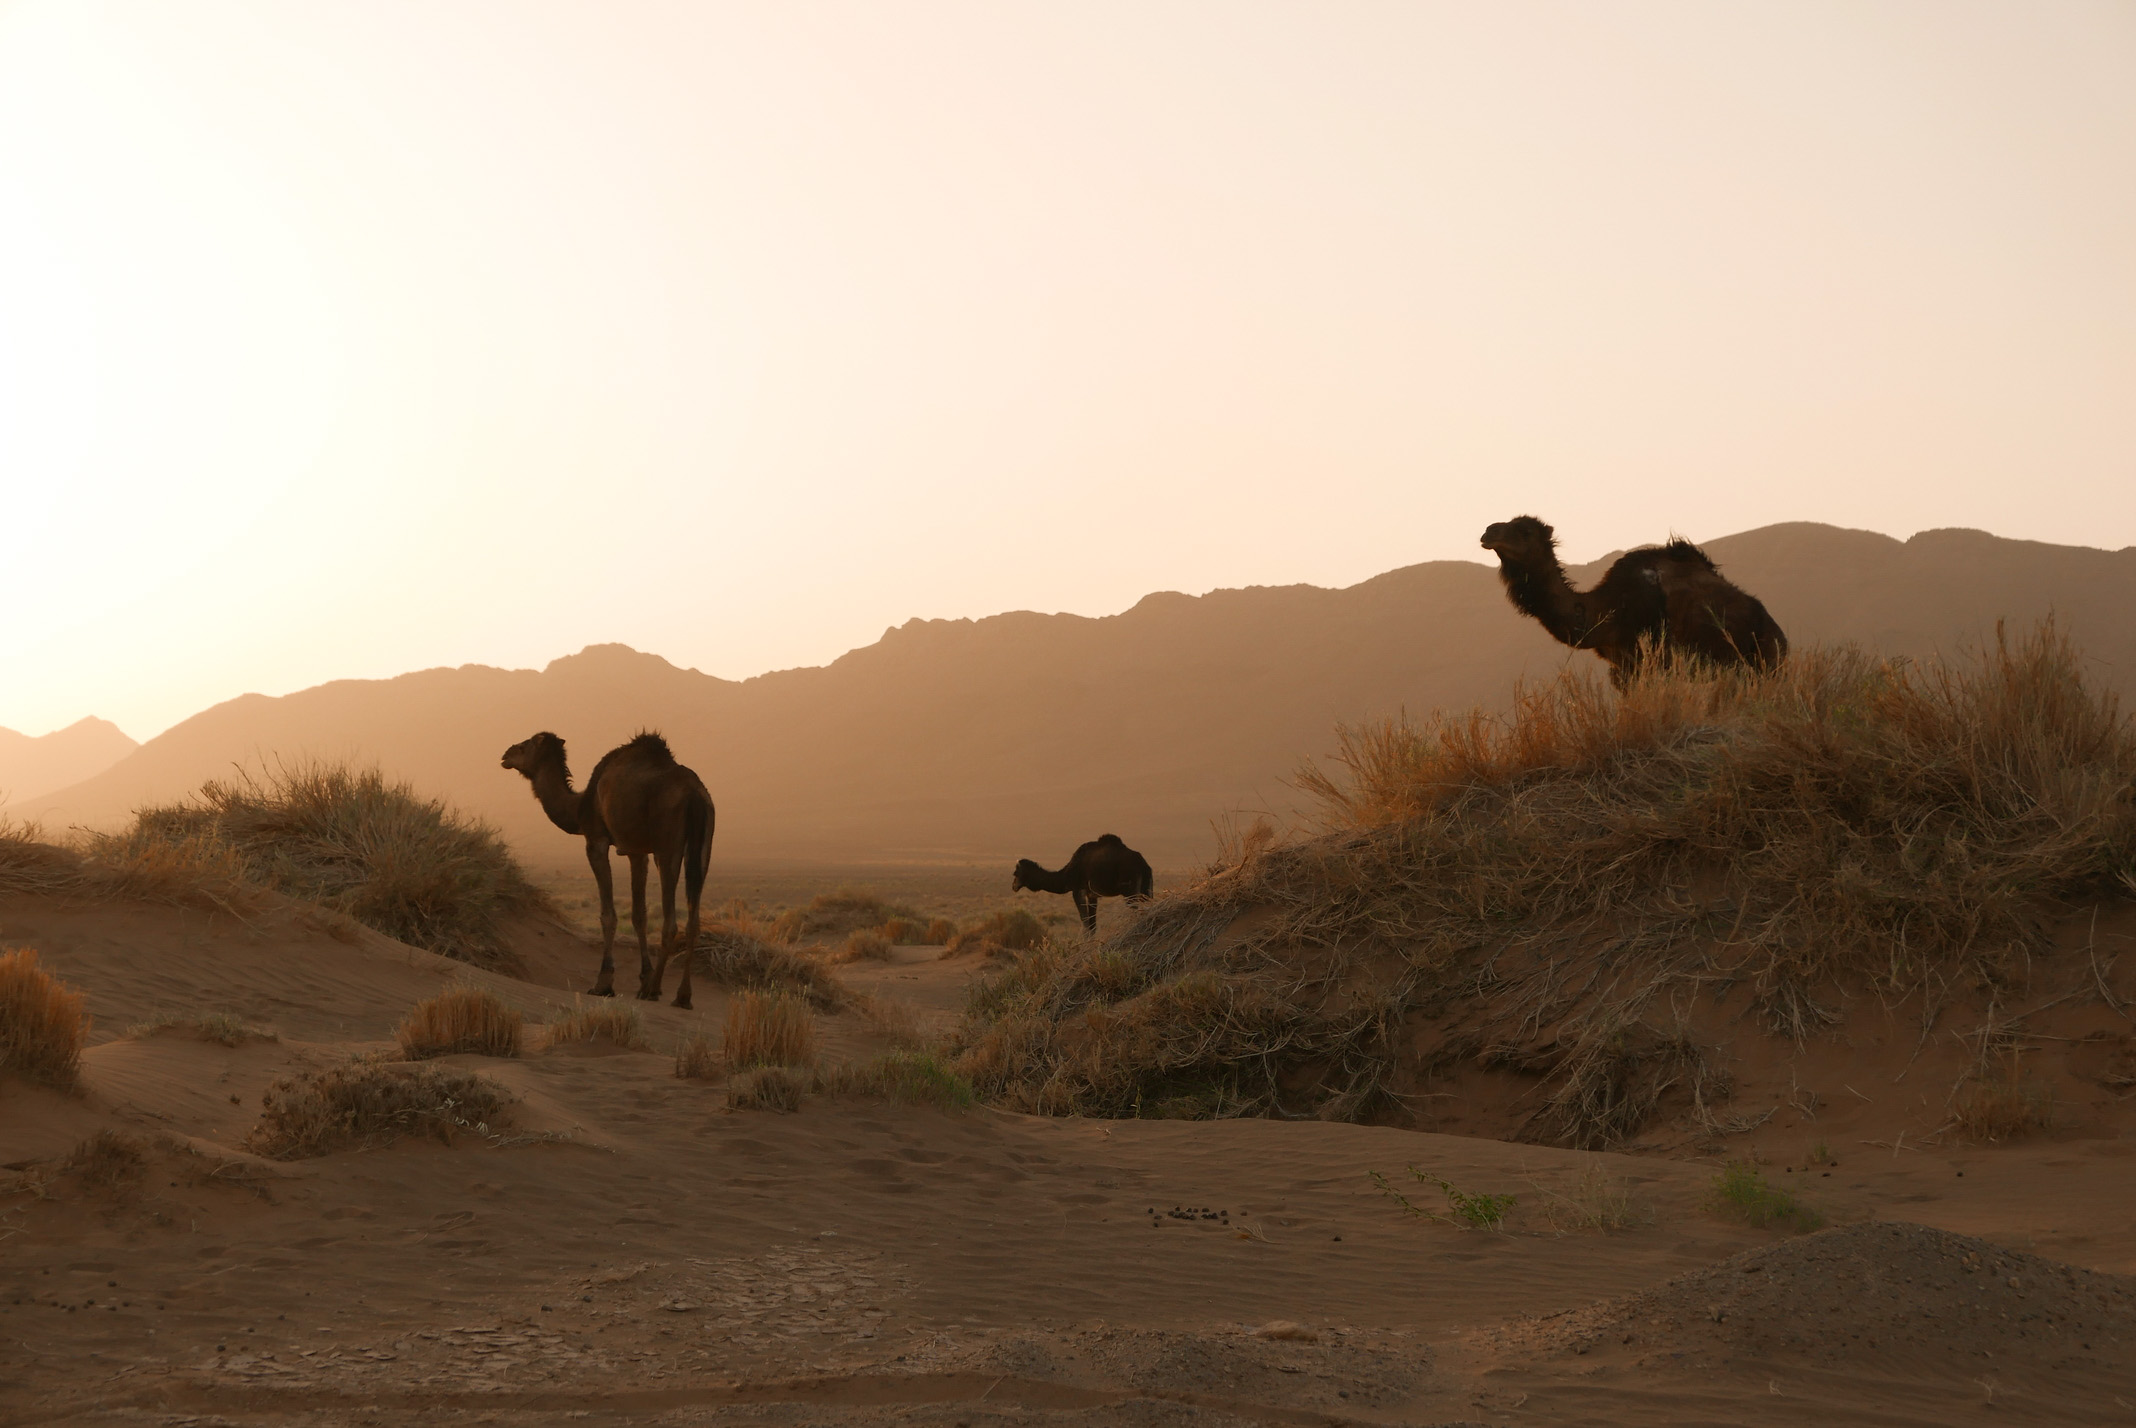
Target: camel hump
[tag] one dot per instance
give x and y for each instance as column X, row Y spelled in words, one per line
column 1680, row 549
column 648, row 744
column 1111, row 839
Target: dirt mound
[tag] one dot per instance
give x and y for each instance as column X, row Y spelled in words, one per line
column 1863, row 1292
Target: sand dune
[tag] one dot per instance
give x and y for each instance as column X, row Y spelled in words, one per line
column 1025, row 734
column 627, row 1250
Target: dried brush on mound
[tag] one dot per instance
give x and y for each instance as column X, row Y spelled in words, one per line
column 42, row 1024
column 768, row 1029
column 364, row 1105
column 399, row 863
column 1548, row 888
column 460, row 1020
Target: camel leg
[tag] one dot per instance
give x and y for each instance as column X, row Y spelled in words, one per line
column 637, row 925
column 670, row 868
column 597, row 854
column 1086, row 903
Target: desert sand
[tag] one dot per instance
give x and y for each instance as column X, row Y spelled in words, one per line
column 628, row 1250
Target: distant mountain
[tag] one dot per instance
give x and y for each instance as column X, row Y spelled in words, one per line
column 30, row 767
column 1024, row 734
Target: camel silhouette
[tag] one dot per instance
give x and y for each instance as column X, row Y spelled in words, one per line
column 644, row 804
column 1105, row 868
column 1656, row 597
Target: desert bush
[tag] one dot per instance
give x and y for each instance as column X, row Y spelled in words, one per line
column 1741, row 1189
column 1567, row 875
column 404, row 865
column 42, row 1025
column 866, row 944
column 367, row 1104
column 939, row 931
column 833, row 914
column 733, row 959
column 767, row 1088
column 459, row 1020
column 767, row 1029
column 903, row 931
column 1011, row 930
column 913, row 1078
column 697, row 1059
column 223, row 1028
column 602, row 1019
column 107, row 1160
column 28, row 864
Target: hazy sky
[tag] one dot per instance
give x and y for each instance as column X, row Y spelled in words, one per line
column 341, row 340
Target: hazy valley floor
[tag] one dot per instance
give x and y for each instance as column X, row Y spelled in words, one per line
column 631, row 1251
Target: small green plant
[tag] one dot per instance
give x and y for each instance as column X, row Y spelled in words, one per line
column 1820, row 1152
column 1741, row 1189
column 1479, row 1212
column 912, row 1078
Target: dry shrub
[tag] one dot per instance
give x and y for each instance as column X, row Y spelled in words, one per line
column 460, row 1020
column 185, row 867
column 367, row 1104
column 603, row 1019
column 939, row 931
column 1547, row 890
column 28, row 864
column 767, row 1088
column 697, row 1059
column 42, row 1024
column 1011, row 930
column 904, row 931
column 1595, row 1202
column 401, row 864
column 865, row 944
column 733, row 959
column 768, row 1029
column 223, row 1028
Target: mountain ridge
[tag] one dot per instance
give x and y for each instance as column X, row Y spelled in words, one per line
column 1023, row 733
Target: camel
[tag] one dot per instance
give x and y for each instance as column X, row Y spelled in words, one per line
column 1659, row 596
column 1105, row 868
column 644, row 804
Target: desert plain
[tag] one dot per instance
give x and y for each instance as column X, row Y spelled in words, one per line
column 628, row 1249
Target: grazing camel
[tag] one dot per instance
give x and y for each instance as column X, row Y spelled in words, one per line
column 1105, row 868
column 1654, row 597
column 644, row 804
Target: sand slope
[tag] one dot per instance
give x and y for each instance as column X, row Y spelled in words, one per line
column 628, row 1251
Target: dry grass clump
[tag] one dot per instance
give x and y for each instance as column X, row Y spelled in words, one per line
column 768, row 1029
column 865, row 944
column 768, row 1088
column 367, row 1104
column 1011, row 930
column 1548, row 889
column 28, row 864
column 460, row 1020
column 602, row 1019
column 1998, row 1102
column 735, row 959
column 222, row 1028
column 909, row 1077
column 939, row 932
column 407, row 866
column 42, row 1024
column 1595, row 1202
column 107, row 1160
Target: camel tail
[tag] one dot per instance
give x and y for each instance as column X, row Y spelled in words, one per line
column 696, row 847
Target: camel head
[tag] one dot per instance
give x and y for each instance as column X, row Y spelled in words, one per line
column 529, row 755
column 1027, row 875
column 1522, row 538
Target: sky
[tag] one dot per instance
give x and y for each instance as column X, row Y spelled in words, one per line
column 339, row 340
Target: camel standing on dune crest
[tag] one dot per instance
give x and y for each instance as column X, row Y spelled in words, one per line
column 1657, row 597
column 644, row 804
column 1104, row 868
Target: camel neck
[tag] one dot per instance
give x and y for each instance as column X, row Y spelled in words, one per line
column 1054, row 882
column 1540, row 590
column 552, row 786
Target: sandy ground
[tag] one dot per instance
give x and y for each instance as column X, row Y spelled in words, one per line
column 628, row 1251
